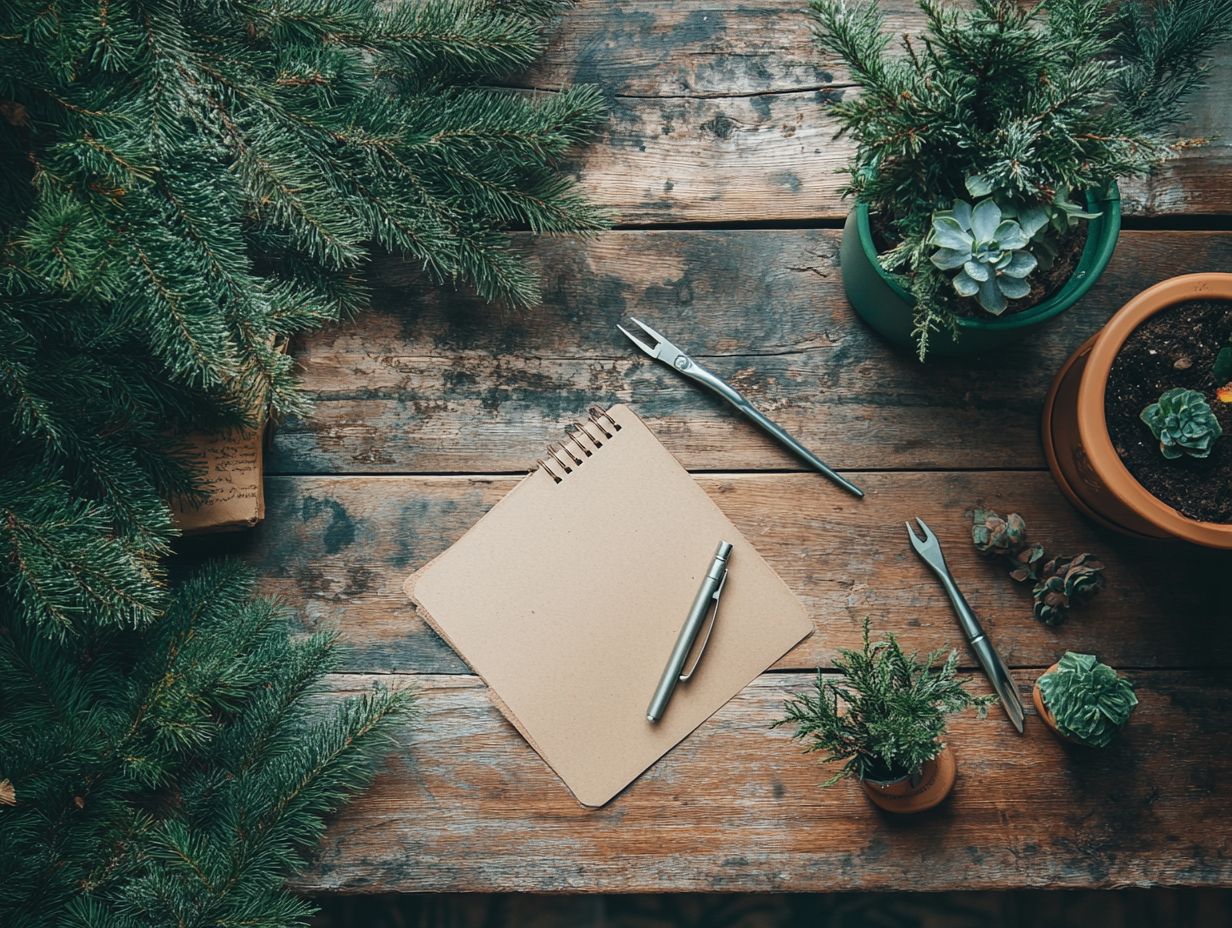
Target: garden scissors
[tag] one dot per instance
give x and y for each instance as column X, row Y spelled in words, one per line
column 673, row 357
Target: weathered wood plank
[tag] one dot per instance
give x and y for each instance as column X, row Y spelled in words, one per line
column 466, row 805
column 774, row 157
column 690, row 48
column 338, row 549
column 433, row 383
column 699, row 48
column 719, row 114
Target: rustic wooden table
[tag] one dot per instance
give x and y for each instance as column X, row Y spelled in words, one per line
column 720, row 162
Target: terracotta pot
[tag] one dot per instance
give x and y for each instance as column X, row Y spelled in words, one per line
column 915, row 794
column 1045, row 713
column 1076, row 441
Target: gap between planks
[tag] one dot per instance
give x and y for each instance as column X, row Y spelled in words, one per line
column 697, row 472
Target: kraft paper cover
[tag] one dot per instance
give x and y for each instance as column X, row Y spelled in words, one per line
column 566, row 598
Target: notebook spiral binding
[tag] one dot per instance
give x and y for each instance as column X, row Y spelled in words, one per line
column 564, row 457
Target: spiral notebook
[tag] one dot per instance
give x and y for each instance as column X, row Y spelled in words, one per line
column 567, row 597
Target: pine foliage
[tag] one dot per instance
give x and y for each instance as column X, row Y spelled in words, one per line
column 174, row 776
column 1018, row 101
column 184, row 186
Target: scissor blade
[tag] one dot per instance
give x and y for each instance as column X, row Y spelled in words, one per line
column 999, row 676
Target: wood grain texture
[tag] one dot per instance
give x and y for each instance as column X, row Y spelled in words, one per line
column 719, row 114
column 339, row 548
column 466, row 805
column 774, row 157
column 432, row 383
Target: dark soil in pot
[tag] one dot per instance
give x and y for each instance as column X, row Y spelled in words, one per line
column 1044, row 283
column 1174, row 348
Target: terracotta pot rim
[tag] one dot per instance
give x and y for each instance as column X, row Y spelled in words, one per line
column 1054, row 460
column 1093, row 425
column 1045, row 714
column 901, row 796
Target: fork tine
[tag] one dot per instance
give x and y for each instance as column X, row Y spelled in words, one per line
column 911, row 532
column 637, row 341
column 929, row 537
column 658, row 337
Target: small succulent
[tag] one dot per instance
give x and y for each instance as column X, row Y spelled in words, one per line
column 1066, row 582
column 1063, row 215
column 989, row 251
column 992, row 534
column 1089, row 702
column 1007, row 538
column 1183, row 422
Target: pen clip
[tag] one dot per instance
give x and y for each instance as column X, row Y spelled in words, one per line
column 705, row 637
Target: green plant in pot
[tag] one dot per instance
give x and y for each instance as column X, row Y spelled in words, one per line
column 884, row 720
column 1183, row 422
column 988, row 152
column 1083, row 701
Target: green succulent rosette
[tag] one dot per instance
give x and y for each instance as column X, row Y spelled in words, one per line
column 1184, row 423
column 1088, row 700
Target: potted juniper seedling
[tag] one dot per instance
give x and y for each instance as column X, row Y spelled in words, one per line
column 1138, row 424
column 1083, row 701
column 884, row 720
column 988, row 151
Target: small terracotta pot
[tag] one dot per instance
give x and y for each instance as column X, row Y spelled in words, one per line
column 915, row 794
column 1080, row 453
column 1045, row 713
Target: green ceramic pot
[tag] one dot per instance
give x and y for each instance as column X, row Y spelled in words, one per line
column 881, row 302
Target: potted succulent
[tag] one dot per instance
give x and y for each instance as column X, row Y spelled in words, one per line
column 884, row 720
column 1083, row 701
column 987, row 153
column 1138, row 424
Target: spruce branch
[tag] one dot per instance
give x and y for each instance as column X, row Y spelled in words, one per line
column 183, row 189
column 220, row 703
column 1165, row 49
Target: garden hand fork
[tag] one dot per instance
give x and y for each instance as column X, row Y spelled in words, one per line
column 929, row 549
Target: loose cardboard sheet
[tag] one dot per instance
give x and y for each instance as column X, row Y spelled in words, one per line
column 566, row 598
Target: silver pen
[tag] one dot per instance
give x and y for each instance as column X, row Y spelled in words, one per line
column 673, row 357
column 707, row 595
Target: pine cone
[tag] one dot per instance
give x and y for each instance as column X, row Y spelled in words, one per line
column 1066, row 582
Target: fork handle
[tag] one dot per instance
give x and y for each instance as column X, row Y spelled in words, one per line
column 966, row 615
column 720, row 386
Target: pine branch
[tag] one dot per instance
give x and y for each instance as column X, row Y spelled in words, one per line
column 183, row 189
column 1166, row 47
column 219, row 700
